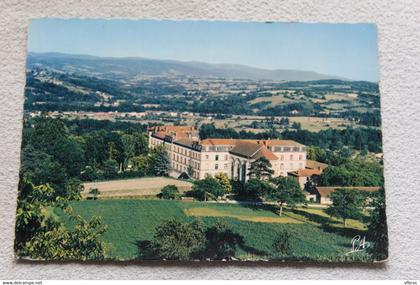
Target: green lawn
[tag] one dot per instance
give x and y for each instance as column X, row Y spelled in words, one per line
column 131, row 221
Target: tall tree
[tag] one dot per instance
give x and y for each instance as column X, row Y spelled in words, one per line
column 161, row 165
column 48, row 134
column 142, row 164
column 40, row 236
column 287, row 191
column 223, row 180
column 42, row 168
column 96, row 148
column 255, row 188
column 110, row 168
column 260, row 169
column 129, row 145
column 141, row 144
column 377, row 228
column 208, row 187
column 346, row 204
column 71, row 156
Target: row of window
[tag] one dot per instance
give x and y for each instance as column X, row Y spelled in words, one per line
column 225, row 166
column 184, row 160
column 286, row 149
column 218, row 148
column 291, row 157
column 217, row 157
column 183, row 168
column 291, row 166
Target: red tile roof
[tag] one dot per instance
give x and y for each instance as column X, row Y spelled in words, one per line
column 279, row 143
column 223, row 142
column 266, row 153
column 245, row 149
column 181, row 132
column 260, row 142
column 315, row 164
column 252, row 150
column 305, row 172
column 171, row 129
column 325, row 191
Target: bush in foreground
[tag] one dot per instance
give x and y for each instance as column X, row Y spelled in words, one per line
column 282, row 244
column 169, row 192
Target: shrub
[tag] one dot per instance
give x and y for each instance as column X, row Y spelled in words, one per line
column 255, row 188
column 169, row 192
column 282, row 244
column 208, row 187
column 223, row 180
column 94, row 193
column 110, row 168
column 174, row 240
column 222, row 241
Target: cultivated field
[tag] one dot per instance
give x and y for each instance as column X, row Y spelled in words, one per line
column 313, row 124
column 134, row 187
column 315, row 236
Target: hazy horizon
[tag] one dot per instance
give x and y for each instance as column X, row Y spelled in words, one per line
column 344, row 50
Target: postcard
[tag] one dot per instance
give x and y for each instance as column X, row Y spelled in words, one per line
column 201, row 141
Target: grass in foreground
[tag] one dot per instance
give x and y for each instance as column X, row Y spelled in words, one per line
column 132, row 221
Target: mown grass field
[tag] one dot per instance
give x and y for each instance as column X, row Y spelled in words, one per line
column 132, row 221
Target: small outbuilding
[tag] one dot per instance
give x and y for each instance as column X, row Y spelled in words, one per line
column 323, row 193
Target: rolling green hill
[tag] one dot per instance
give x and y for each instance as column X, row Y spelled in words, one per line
column 132, row 221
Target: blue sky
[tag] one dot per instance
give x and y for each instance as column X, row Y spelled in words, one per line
column 348, row 50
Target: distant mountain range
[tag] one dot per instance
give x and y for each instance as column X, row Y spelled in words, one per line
column 129, row 67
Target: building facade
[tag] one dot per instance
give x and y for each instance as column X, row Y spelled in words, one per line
column 200, row 158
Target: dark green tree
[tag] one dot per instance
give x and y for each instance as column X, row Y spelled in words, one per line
column 255, row 188
column 346, row 204
column 296, row 125
column 97, row 149
column 260, row 169
column 377, row 228
column 129, row 148
column 141, row 146
column 71, row 156
column 161, row 164
column 174, row 240
column 286, row 191
column 353, row 173
column 48, row 135
column 316, row 153
column 143, row 164
column 110, row 168
column 221, row 241
column 91, row 173
column 169, row 192
column 73, row 189
column 39, row 236
column 94, row 193
column 42, row 168
column 190, row 170
column 311, row 183
column 58, row 243
column 206, row 188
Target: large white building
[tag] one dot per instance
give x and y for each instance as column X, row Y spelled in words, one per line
column 230, row 156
